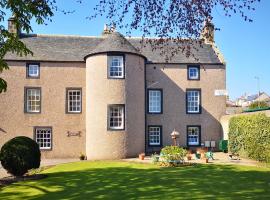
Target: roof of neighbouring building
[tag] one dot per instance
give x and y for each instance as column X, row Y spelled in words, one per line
column 75, row 48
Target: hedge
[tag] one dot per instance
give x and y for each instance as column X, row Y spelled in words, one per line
column 249, row 136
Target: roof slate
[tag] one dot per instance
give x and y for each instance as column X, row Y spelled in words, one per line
column 114, row 42
column 75, row 48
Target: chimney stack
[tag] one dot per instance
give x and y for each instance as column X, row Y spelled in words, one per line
column 12, row 27
column 108, row 30
column 208, row 32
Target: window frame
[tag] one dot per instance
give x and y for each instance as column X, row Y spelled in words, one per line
column 200, row 100
column 35, row 137
column 160, row 136
column 161, row 100
column 67, row 100
column 188, row 75
column 109, row 128
column 27, row 71
column 199, row 139
column 25, row 100
column 108, row 65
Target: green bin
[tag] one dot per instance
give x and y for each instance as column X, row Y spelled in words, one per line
column 223, row 145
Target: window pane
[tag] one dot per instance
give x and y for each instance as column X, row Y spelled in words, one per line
column 43, row 137
column 33, row 70
column 154, row 135
column 154, row 101
column 116, row 117
column 193, row 73
column 74, row 100
column 193, row 135
column 193, row 101
column 33, row 100
column 116, row 66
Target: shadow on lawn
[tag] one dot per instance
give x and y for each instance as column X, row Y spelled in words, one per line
column 198, row 182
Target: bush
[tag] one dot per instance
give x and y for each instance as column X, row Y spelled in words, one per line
column 249, row 136
column 258, row 104
column 173, row 154
column 19, row 155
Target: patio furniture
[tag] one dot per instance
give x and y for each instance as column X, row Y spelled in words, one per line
column 197, row 155
column 234, row 156
column 209, row 155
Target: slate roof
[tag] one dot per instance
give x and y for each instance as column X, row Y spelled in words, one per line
column 75, row 48
column 114, row 42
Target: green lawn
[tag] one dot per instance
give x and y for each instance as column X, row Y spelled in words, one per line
column 122, row 180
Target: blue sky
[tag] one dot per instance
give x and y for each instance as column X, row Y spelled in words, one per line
column 245, row 46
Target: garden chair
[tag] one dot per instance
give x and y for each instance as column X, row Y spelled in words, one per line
column 209, row 155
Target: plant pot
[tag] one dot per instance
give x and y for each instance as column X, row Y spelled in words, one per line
column 206, row 160
column 82, row 157
column 141, row 156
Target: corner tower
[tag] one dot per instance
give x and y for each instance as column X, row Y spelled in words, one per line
column 115, row 99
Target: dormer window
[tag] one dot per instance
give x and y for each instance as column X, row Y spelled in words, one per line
column 116, row 66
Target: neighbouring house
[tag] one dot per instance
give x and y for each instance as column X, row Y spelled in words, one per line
column 111, row 97
column 245, row 100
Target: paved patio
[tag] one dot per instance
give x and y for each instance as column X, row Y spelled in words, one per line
column 220, row 158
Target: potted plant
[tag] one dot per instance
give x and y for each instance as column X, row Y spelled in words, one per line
column 82, row 156
column 141, row 156
column 189, row 155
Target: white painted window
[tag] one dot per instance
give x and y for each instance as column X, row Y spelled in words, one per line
column 33, row 100
column 193, row 73
column 33, row 70
column 43, row 137
column 154, row 134
column 193, row 135
column 193, row 101
column 154, row 101
column 74, row 100
column 116, row 117
column 116, row 66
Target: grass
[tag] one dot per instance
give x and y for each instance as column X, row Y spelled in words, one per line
column 123, row 180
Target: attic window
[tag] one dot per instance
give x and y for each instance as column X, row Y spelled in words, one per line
column 116, row 66
column 32, row 70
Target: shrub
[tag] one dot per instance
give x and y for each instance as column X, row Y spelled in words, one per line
column 258, row 104
column 249, row 136
column 19, row 155
column 172, row 154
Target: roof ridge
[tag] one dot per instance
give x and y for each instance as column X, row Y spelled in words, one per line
column 60, row 35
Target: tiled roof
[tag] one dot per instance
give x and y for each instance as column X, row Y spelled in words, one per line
column 75, row 48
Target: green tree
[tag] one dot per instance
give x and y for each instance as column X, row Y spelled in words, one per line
column 23, row 12
column 169, row 20
column 258, row 104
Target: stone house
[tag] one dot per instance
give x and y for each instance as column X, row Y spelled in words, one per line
column 110, row 97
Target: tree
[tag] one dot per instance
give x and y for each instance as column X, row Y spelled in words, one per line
column 23, row 12
column 258, row 104
column 169, row 20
